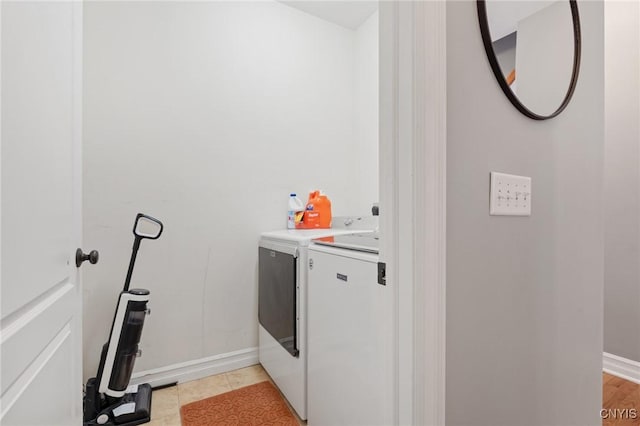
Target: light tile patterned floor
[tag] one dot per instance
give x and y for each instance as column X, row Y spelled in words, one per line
column 165, row 406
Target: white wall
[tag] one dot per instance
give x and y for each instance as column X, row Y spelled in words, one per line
column 366, row 107
column 206, row 115
column 524, row 294
column 622, row 180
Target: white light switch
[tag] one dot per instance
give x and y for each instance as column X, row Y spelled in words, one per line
column 510, row 195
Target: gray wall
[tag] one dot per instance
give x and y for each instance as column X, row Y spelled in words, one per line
column 622, row 181
column 524, row 295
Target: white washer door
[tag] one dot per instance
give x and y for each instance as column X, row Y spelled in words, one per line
column 350, row 367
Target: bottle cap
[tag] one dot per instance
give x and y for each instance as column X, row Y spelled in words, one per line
column 293, row 194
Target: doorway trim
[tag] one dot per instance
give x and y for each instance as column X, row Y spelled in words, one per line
column 413, row 107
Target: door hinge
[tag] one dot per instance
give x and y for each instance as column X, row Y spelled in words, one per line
column 382, row 273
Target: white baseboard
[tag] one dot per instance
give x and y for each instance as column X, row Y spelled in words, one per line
column 197, row 369
column 621, row 367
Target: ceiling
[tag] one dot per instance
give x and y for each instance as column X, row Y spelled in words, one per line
column 505, row 15
column 348, row 14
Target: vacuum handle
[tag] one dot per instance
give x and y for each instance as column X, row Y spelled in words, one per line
column 142, row 221
column 138, row 230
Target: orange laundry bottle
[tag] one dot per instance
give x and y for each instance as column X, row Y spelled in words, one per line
column 317, row 213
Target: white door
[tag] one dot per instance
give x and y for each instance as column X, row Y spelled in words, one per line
column 40, row 326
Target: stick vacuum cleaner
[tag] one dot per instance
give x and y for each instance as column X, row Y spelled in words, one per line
column 109, row 400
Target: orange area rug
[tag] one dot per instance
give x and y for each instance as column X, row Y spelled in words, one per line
column 259, row 404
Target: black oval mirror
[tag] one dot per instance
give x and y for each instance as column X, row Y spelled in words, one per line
column 534, row 50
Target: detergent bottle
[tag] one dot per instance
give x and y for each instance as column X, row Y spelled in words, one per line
column 296, row 207
column 317, row 213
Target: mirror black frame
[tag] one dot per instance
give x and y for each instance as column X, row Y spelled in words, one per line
column 495, row 66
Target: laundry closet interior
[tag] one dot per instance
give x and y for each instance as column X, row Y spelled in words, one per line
column 207, row 116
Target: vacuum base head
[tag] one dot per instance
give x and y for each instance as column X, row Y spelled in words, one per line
column 134, row 408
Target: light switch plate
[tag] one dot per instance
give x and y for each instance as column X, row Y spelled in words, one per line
column 510, row 195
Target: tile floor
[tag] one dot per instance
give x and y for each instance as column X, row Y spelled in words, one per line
column 165, row 404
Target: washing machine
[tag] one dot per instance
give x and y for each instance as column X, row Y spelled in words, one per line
column 350, row 334
column 282, row 304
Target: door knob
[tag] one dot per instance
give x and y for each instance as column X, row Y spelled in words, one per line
column 92, row 257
